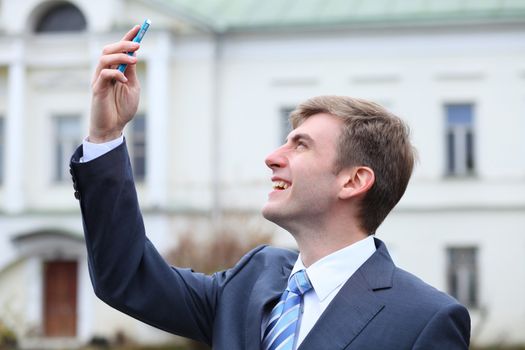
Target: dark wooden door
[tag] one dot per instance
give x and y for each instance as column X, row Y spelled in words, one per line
column 60, row 298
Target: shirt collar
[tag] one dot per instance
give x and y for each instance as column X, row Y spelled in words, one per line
column 335, row 269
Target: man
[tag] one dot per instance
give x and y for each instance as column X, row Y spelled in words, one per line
column 342, row 169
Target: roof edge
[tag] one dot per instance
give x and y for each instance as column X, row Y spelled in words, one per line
column 398, row 22
column 198, row 19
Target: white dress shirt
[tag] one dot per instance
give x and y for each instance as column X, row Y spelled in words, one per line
column 327, row 275
column 94, row 150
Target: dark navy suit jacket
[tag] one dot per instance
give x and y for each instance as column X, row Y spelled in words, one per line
column 381, row 307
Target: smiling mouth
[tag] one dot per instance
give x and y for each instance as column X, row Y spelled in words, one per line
column 280, row 185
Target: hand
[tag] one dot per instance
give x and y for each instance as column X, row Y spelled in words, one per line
column 115, row 95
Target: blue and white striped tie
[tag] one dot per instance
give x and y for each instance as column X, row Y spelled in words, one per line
column 282, row 325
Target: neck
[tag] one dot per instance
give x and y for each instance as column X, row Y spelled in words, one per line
column 317, row 242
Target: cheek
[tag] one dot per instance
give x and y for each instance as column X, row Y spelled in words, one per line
column 319, row 184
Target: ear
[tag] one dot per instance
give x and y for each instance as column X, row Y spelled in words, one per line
column 356, row 181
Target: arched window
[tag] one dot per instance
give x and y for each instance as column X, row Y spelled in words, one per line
column 61, row 17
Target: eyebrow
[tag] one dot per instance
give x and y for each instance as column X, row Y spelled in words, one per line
column 305, row 137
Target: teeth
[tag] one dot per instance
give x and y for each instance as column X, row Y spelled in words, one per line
column 280, row 185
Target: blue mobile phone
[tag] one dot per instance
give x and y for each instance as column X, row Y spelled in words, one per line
column 137, row 39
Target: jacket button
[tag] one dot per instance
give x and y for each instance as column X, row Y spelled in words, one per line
column 77, row 195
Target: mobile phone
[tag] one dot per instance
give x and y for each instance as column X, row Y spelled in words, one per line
column 138, row 38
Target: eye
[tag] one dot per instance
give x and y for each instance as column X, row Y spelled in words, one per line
column 300, row 145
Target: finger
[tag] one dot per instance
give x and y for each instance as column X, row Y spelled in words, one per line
column 131, row 34
column 121, row 46
column 107, row 77
column 116, row 59
column 131, row 73
column 112, row 61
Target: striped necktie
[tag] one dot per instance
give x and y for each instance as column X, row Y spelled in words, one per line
column 282, row 325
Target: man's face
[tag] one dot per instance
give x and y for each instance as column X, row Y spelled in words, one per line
column 305, row 186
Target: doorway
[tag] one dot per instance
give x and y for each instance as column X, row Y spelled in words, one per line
column 60, row 298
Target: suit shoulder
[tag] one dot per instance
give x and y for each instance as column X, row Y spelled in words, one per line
column 265, row 254
column 272, row 253
column 424, row 293
column 262, row 256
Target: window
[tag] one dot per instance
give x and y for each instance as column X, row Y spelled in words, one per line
column 460, row 139
column 2, row 149
column 463, row 275
column 63, row 17
column 67, row 139
column 138, row 147
column 286, row 126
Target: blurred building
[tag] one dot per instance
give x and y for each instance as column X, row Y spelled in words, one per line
column 219, row 78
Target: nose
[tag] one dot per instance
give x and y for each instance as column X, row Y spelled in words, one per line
column 276, row 159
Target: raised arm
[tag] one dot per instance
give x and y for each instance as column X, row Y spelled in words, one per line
column 126, row 270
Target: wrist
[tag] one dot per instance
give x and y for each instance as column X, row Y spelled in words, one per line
column 103, row 136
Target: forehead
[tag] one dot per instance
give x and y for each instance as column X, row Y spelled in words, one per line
column 322, row 128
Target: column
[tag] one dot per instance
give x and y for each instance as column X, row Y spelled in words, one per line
column 15, row 132
column 157, row 152
column 85, row 303
column 35, row 298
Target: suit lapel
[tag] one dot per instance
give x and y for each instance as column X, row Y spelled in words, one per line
column 354, row 306
column 266, row 290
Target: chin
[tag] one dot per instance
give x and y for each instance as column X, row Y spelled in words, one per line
column 275, row 215
column 267, row 212
column 271, row 213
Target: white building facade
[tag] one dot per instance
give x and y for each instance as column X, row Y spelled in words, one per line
column 216, row 88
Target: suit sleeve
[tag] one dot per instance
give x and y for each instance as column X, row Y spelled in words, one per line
column 126, row 270
column 448, row 329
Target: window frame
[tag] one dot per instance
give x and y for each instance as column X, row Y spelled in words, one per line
column 460, row 142
column 62, row 161
column 284, row 121
column 458, row 259
column 2, row 149
column 46, row 20
column 131, row 140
